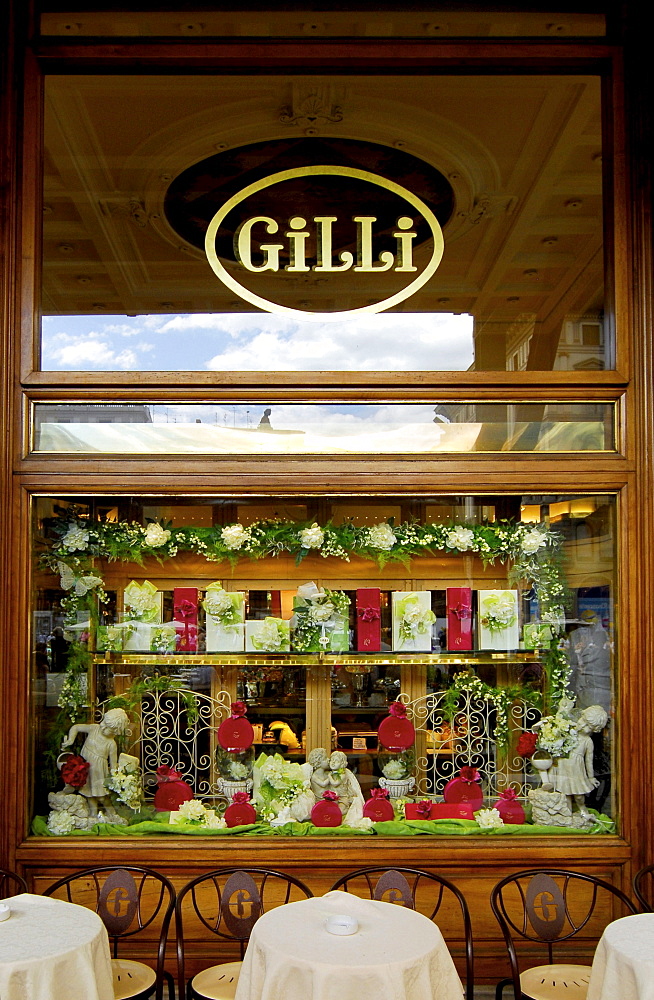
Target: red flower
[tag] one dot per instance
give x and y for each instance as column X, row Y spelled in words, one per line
column 240, row 798
column 508, row 795
column 330, row 796
column 165, row 773
column 424, row 808
column 526, row 744
column 379, row 793
column 238, row 708
column 75, row 771
column 469, row 774
column 398, row 709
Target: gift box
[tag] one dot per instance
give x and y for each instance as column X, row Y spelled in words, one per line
column 320, row 620
column 465, row 788
column 509, row 808
column 137, row 636
column 268, row 635
column 143, row 602
column 225, row 621
column 185, row 609
column 378, row 808
column 110, row 638
column 163, row 638
column 438, row 810
column 368, row 618
column 497, row 619
column 536, row 635
column 458, row 601
column 412, row 621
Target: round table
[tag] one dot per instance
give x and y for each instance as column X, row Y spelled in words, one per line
column 53, row 950
column 623, row 965
column 395, row 954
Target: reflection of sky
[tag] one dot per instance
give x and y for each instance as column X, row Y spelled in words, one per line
column 257, row 342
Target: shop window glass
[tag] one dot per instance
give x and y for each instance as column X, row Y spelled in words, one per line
column 135, row 168
column 137, row 608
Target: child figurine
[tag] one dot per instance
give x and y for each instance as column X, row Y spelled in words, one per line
column 574, row 775
column 101, row 752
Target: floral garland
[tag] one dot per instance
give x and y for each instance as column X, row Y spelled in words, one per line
column 533, row 550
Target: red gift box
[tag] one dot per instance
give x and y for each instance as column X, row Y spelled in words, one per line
column 368, row 608
column 509, row 808
column 378, row 808
column 185, row 613
column 438, row 810
column 459, row 617
column 240, row 812
column 465, row 788
column 327, row 811
column 172, row 790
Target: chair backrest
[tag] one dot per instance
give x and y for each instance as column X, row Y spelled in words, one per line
column 549, row 906
column 644, row 888
column 130, row 899
column 430, row 894
column 228, row 902
column 11, row 884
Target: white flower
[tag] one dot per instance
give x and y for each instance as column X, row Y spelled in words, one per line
column 155, row 535
column 394, row 769
column 533, row 541
column 192, row 811
column 75, row 539
column 67, row 577
column 213, row 821
column 363, row 823
column 217, row 602
column 86, row 583
column 459, row 538
column 489, row 819
column 237, row 770
column 234, row 536
column 61, row 823
column 313, row 537
column 321, row 612
column 381, row 536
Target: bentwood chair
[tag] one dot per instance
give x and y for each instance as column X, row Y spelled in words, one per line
column 130, row 900
column 430, row 894
column 644, row 888
column 549, row 906
column 11, row 884
column 227, row 902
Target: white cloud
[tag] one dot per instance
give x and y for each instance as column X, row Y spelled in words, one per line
column 81, row 353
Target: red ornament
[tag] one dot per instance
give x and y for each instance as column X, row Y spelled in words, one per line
column 396, row 732
column 327, row 812
column 465, row 788
column 236, row 733
column 241, row 812
column 75, row 771
column 172, row 790
column 378, row 808
column 509, row 808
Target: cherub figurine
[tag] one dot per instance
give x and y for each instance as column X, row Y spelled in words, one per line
column 345, row 784
column 101, row 752
column 320, row 774
column 574, row 775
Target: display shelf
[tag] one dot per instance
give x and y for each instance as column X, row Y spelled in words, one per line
column 311, row 659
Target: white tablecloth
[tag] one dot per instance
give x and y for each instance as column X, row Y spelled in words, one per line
column 623, row 967
column 53, row 950
column 396, row 954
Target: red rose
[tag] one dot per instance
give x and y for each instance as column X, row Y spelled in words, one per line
column 398, row 709
column 423, row 808
column 238, row 708
column 240, row 798
column 330, row 796
column 508, row 795
column 469, row 774
column 379, row 793
column 165, row 773
column 526, row 744
column 75, row 771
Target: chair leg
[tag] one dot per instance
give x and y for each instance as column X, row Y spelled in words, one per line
column 499, row 989
column 171, row 985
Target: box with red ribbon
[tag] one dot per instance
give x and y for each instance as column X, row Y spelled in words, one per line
column 185, row 612
column 459, row 618
column 368, row 606
column 438, row 810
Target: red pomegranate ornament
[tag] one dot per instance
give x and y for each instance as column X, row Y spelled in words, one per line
column 240, row 812
column 378, row 808
column 172, row 790
column 465, row 788
column 509, row 808
column 396, row 732
column 236, row 733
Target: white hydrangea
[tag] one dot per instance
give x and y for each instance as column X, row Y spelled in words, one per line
column 61, row 823
column 213, row 821
column 459, row 538
column 155, row 535
column 394, row 769
column 234, row 536
column 313, row 537
column 532, row 541
column 363, row 823
column 381, row 536
column 489, row 819
column 75, row 539
column 217, row 602
column 238, row 771
column 321, row 612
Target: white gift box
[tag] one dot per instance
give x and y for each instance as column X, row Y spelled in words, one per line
column 497, row 606
column 256, row 630
column 137, row 637
column 226, row 639
column 413, row 607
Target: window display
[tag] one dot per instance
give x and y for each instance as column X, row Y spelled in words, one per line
column 263, row 682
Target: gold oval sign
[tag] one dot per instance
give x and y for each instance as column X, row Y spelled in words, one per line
column 264, row 233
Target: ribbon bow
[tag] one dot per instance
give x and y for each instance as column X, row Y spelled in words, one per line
column 461, row 611
column 238, row 708
column 424, row 808
column 397, row 709
column 469, row 775
column 368, row 614
column 508, row 795
column 186, row 611
column 240, row 798
column 166, row 774
column 379, row 793
column 330, row 796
